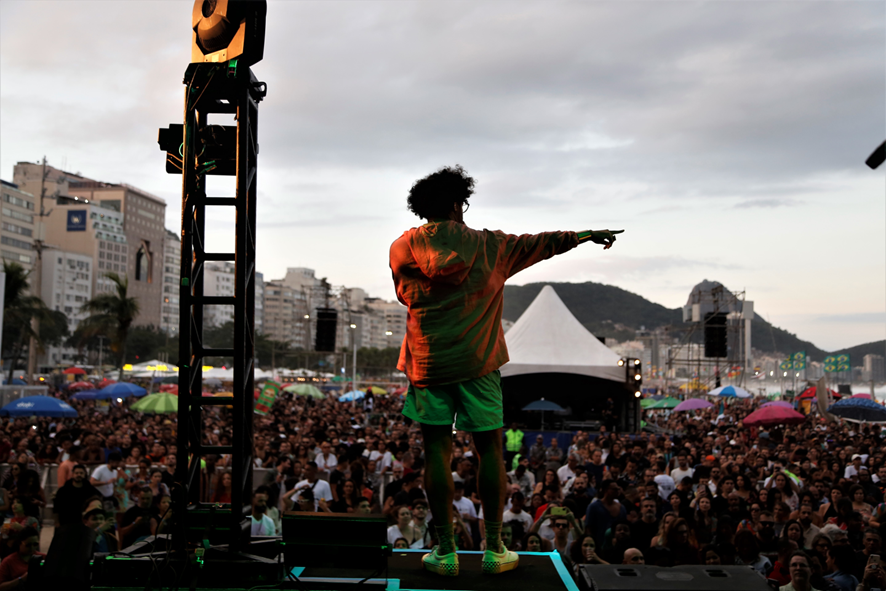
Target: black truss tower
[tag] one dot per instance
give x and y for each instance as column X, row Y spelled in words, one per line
column 211, row 149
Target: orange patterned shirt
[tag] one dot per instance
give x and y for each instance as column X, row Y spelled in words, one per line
column 451, row 278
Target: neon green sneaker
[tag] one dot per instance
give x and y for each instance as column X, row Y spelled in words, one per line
column 446, row 564
column 495, row 563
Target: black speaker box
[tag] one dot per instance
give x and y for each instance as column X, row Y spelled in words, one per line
column 619, row 577
column 715, row 335
column 346, row 541
column 67, row 564
column 327, row 323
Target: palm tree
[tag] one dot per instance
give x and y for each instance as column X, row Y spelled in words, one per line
column 19, row 309
column 111, row 314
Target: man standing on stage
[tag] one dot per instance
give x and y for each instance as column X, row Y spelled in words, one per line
column 451, row 278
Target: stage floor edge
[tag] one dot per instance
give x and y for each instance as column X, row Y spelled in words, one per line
column 539, row 571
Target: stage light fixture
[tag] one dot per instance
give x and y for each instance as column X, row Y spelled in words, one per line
column 228, row 29
column 638, row 377
column 636, row 362
column 637, row 394
column 621, row 362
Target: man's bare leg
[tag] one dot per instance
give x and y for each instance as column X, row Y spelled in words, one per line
column 438, row 477
column 492, row 482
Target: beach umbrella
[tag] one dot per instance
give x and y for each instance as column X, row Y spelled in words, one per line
column 81, row 386
column 105, row 382
column 730, row 392
column 376, row 391
column 40, row 406
column 351, row 396
column 693, row 404
column 170, row 388
column 304, row 390
column 860, row 410
column 647, row 402
column 122, row 390
column 86, row 395
column 75, row 371
column 773, row 415
column 865, row 396
column 157, row 403
column 400, row 391
column 543, row 405
column 16, row 382
column 779, row 403
column 663, row 404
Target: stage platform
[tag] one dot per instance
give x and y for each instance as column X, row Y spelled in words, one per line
column 538, row 571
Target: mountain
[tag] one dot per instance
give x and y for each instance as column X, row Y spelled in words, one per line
column 614, row 313
column 857, row 353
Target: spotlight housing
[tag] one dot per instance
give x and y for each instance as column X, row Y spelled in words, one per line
column 228, row 29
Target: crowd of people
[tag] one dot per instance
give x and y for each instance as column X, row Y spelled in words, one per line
column 706, row 490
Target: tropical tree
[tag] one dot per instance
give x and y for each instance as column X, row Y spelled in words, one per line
column 20, row 308
column 111, row 314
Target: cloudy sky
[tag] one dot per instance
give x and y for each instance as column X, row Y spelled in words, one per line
column 727, row 138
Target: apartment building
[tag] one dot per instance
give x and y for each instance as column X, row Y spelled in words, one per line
column 17, row 224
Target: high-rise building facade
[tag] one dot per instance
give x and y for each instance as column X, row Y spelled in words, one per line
column 259, row 302
column 874, row 368
column 218, row 281
column 143, row 217
column 66, row 285
column 17, row 224
column 172, row 248
column 144, row 225
column 92, row 230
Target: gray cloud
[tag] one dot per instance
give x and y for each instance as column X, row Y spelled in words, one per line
column 654, row 116
column 767, row 203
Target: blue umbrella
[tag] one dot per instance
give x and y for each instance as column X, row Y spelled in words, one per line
column 351, row 396
column 16, row 382
column 858, row 409
column 40, row 406
column 122, row 390
column 543, row 405
column 87, row 395
column 730, row 392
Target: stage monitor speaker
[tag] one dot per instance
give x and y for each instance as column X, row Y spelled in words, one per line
column 844, row 389
column 346, row 540
column 67, row 564
column 715, row 334
column 327, row 324
column 228, row 29
column 619, row 577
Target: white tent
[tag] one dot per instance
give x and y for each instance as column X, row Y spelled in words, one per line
column 549, row 339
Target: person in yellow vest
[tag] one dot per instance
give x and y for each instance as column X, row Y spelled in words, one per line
column 513, row 443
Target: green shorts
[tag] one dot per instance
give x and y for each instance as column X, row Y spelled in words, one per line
column 475, row 405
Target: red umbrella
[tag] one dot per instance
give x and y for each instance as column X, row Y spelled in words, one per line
column 170, row 388
column 868, row 396
column 810, row 393
column 105, row 382
column 773, row 415
column 75, row 371
column 400, row 390
column 81, row 386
